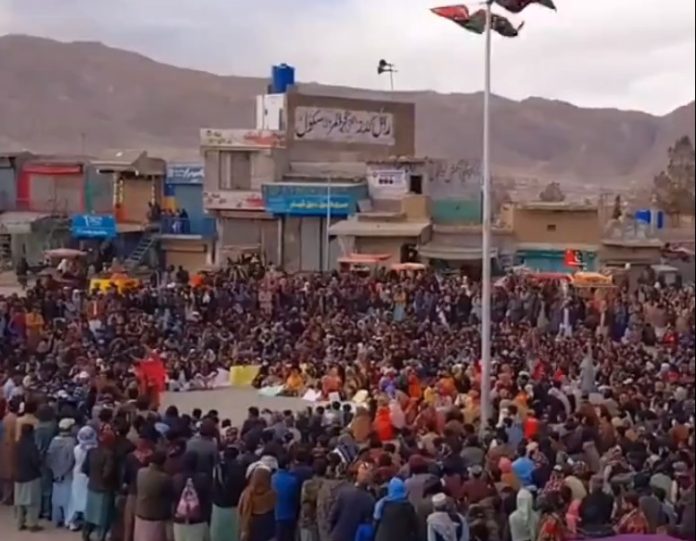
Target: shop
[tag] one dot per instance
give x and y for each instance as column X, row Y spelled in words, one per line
column 554, row 259
column 305, row 212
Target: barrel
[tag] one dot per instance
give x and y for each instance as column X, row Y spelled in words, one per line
column 282, row 77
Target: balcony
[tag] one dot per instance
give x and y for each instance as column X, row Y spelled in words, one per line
column 204, row 227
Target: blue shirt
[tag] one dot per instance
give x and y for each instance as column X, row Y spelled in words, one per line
column 287, row 489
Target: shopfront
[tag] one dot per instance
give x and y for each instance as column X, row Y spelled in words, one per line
column 305, row 211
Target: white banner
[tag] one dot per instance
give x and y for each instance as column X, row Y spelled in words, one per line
column 343, row 126
column 387, row 184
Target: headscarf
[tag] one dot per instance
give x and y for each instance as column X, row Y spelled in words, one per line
column 258, row 498
column 396, row 492
column 87, row 438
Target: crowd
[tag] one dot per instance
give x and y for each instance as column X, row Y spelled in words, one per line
column 593, row 395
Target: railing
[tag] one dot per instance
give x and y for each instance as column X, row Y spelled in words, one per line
column 202, row 227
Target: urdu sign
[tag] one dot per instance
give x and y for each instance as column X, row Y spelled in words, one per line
column 343, row 126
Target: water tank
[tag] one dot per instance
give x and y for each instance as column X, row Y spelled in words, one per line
column 282, row 77
column 646, row 216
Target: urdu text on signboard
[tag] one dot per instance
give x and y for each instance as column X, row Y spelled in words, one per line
column 343, row 126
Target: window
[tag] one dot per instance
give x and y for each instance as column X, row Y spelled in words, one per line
column 417, row 184
column 235, row 170
column 551, row 227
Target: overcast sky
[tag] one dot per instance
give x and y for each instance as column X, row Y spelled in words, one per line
column 632, row 54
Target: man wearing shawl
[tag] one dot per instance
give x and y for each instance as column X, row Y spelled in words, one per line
column 60, row 460
column 394, row 516
column 86, row 441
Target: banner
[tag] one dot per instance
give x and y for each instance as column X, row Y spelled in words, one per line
column 244, row 375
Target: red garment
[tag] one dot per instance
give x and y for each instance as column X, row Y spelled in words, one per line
column 383, row 425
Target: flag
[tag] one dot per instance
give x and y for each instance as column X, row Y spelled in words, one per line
column 571, row 258
column 457, row 14
column 516, row 6
column 476, row 22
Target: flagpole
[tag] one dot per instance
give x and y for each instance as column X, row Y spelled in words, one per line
column 486, row 406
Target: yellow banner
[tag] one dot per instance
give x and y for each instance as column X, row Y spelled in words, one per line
column 243, row 376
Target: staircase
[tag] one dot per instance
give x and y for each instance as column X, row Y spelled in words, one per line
column 136, row 257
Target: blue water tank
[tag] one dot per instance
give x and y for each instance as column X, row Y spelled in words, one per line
column 645, row 216
column 282, row 77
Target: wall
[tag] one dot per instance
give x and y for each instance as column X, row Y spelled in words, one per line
column 338, row 137
column 265, row 165
column 99, row 191
column 571, row 227
column 454, row 187
column 382, row 245
column 8, row 188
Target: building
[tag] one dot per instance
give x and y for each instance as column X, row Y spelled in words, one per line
column 543, row 231
column 237, row 163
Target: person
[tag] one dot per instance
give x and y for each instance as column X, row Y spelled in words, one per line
column 228, row 483
column 524, row 521
column 100, row 468
column 632, row 519
column 394, row 516
column 309, row 499
column 154, row 500
column 596, row 508
column 193, row 504
column 445, row 524
column 27, row 488
column 204, row 447
column 136, row 460
column 86, row 441
column 44, row 433
column 8, row 444
column 257, row 507
column 353, row 507
column 287, row 489
column 551, row 524
column 60, row 461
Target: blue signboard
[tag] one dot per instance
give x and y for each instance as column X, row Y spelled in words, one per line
column 313, row 200
column 310, row 205
column 185, row 174
column 88, row 226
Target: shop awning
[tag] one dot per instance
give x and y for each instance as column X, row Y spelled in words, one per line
column 359, row 228
column 88, row 226
column 363, row 259
column 19, row 223
column 452, row 253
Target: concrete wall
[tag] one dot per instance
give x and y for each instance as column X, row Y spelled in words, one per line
column 382, row 245
column 305, row 150
column 562, row 227
column 8, row 188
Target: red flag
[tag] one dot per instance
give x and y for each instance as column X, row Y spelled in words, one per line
column 457, row 14
column 571, row 259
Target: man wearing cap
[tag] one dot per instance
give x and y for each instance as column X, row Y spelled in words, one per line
column 444, row 524
column 60, row 460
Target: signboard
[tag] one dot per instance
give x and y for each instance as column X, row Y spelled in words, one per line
column 387, row 184
column 185, row 174
column 88, row 226
column 242, row 139
column 310, row 205
column 233, row 200
column 343, row 126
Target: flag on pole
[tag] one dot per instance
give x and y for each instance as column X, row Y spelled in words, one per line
column 476, row 22
column 516, row 6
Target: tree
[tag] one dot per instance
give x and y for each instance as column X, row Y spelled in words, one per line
column 552, row 193
column 673, row 187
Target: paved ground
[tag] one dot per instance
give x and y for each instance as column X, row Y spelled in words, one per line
column 230, row 403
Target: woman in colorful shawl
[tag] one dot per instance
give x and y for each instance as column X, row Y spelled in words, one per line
column 100, row 468
column 257, row 508
column 86, row 440
column 633, row 520
column 60, row 461
column 551, row 524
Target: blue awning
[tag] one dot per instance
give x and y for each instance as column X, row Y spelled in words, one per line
column 88, row 226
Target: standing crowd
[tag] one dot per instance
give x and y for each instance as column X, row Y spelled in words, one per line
column 592, row 433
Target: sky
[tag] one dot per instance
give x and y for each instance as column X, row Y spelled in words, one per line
column 631, row 54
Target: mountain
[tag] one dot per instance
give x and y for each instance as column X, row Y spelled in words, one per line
column 86, row 97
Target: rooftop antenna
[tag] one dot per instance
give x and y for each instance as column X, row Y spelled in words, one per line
column 385, row 67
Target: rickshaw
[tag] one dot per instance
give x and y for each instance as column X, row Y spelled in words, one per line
column 121, row 281
column 66, row 267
